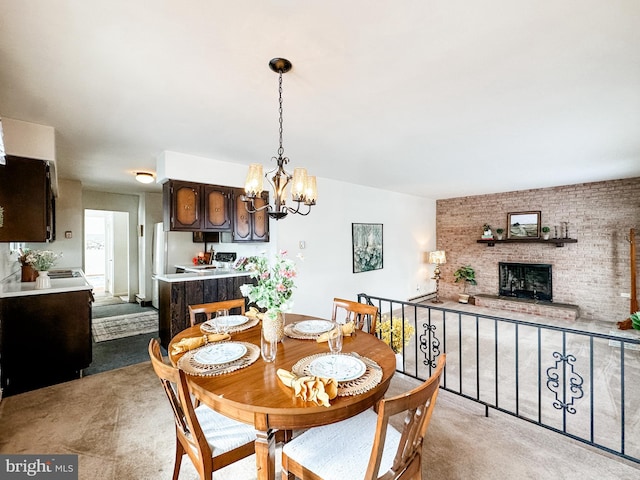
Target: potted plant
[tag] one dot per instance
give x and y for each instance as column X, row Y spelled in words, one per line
column 467, row 275
column 545, row 232
column 486, row 231
column 395, row 334
column 499, row 233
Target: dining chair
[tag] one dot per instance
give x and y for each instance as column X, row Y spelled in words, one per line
column 211, row 440
column 366, row 444
column 360, row 313
column 209, row 308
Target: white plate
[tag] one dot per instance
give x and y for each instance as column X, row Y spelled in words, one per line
column 219, row 353
column 313, row 326
column 235, row 320
column 341, row 367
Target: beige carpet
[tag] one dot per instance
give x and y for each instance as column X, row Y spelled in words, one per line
column 121, row 426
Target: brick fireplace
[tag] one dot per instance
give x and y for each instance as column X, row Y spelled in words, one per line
column 525, row 280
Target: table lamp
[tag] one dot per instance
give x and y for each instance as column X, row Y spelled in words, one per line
column 438, row 257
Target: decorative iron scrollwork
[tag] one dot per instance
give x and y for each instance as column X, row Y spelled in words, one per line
column 429, row 345
column 565, row 400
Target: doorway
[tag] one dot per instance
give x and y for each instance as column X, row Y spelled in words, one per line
column 106, row 254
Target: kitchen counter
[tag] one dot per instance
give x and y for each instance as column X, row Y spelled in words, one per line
column 200, row 275
column 176, row 291
column 13, row 287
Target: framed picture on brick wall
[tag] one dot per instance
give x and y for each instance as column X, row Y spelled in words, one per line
column 523, row 225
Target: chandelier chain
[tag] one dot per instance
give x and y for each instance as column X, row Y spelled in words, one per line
column 281, row 149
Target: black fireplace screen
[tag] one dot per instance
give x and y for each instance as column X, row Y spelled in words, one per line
column 526, row 280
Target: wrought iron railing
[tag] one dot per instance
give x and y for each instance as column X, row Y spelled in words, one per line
column 582, row 384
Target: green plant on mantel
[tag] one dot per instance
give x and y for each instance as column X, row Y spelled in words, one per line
column 546, row 229
column 467, row 275
column 499, row 231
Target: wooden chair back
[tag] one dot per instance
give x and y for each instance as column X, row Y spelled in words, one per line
column 189, row 436
column 209, row 308
column 364, row 316
column 418, row 405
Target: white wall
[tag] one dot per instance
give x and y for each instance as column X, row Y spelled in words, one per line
column 149, row 213
column 121, row 251
column 326, row 272
column 31, row 140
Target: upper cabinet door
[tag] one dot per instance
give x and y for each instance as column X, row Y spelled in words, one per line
column 217, row 208
column 250, row 227
column 26, row 200
column 261, row 220
column 241, row 220
column 185, row 210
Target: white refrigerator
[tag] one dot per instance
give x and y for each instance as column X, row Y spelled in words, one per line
column 169, row 249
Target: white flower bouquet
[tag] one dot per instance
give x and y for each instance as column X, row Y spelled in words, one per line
column 41, row 259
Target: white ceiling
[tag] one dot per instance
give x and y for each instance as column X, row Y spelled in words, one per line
column 437, row 98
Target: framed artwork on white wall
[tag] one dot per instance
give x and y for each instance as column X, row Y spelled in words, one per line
column 367, row 246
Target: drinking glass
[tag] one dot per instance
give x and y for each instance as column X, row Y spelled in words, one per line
column 268, row 347
column 335, row 339
column 222, row 321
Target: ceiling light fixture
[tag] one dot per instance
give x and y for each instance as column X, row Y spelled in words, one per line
column 144, row 177
column 303, row 186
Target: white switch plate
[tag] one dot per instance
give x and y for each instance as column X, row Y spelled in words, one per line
column 625, row 295
column 302, row 244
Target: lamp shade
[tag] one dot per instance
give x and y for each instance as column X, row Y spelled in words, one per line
column 253, row 185
column 437, row 257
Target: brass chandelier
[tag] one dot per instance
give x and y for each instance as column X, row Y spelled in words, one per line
column 303, row 186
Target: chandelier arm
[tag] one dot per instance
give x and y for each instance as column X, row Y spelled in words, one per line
column 249, row 201
column 297, row 209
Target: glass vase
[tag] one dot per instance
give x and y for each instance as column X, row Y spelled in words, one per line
column 273, row 325
column 43, row 280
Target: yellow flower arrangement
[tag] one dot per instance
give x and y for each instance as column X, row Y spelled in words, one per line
column 391, row 332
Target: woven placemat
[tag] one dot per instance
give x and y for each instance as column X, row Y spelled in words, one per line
column 291, row 332
column 369, row 379
column 207, row 327
column 190, row 366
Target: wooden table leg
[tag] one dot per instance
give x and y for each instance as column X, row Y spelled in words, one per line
column 266, row 454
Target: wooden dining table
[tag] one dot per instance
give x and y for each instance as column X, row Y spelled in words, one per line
column 256, row 396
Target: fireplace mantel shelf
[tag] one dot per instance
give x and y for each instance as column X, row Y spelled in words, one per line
column 558, row 242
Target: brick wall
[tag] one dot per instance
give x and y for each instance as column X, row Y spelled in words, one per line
column 590, row 274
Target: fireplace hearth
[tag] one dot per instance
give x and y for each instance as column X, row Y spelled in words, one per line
column 526, row 280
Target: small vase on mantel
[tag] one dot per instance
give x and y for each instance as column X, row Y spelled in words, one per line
column 43, row 280
column 273, row 324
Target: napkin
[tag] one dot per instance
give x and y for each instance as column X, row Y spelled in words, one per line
column 253, row 312
column 311, row 389
column 347, row 330
column 192, row 343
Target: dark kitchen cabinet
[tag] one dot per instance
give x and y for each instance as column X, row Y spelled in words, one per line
column 44, row 339
column 250, row 227
column 175, row 298
column 196, row 207
column 27, row 199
